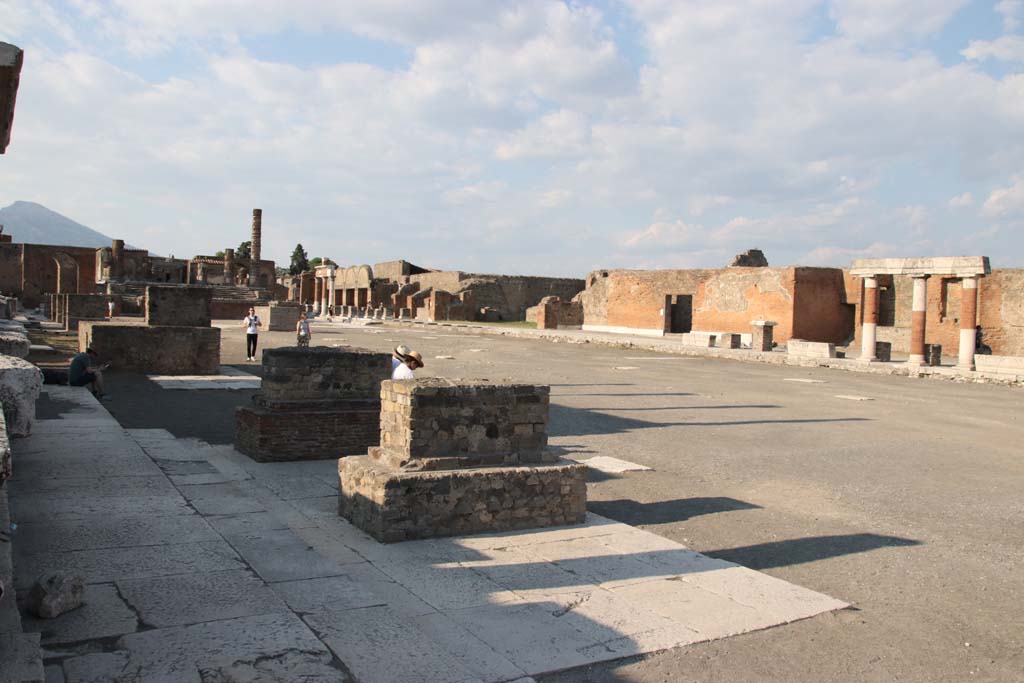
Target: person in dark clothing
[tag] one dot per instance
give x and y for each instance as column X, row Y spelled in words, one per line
column 980, row 347
column 83, row 372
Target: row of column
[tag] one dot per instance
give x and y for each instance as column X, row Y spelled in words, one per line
column 323, row 293
column 918, row 321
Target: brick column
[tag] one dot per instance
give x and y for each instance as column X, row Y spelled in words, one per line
column 316, row 295
column 968, row 320
column 869, row 324
column 254, row 248
column 117, row 260
column 918, row 320
column 229, row 266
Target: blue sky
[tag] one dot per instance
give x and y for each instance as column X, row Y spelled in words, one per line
column 532, row 137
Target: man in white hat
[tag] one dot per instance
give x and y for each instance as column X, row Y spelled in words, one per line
column 403, row 361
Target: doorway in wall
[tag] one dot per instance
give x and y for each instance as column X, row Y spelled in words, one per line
column 681, row 313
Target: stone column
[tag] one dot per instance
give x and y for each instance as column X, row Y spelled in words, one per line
column 117, row 260
column 968, row 320
column 869, row 324
column 254, row 250
column 330, row 291
column 229, row 266
column 316, row 295
column 918, row 319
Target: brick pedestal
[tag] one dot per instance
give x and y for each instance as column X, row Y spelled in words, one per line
column 460, row 457
column 315, row 403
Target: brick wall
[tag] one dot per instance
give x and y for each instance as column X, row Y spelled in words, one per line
column 154, row 350
column 179, row 306
column 323, row 374
column 552, row 313
column 268, row 435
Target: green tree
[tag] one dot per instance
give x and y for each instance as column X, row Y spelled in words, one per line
column 244, row 250
column 300, row 263
column 314, row 262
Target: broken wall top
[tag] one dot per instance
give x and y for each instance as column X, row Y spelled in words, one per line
column 322, row 373
column 178, row 306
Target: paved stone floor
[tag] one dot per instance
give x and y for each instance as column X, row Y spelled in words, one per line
column 908, row 506
column 200, row 563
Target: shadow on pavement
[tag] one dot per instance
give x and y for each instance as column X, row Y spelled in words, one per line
column 801, row 550
column 666, row 511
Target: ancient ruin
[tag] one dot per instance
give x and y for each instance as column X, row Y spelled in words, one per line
column 314, row 403
column 460, row 457
column 175, row 337
column 11, row 59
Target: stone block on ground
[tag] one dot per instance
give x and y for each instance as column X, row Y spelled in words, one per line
column 279, row 317
column 808, row 349
column 1000, row 365
column 702, row 339
column 55, row 593
column 396, row 505
column 20, row 384
column 729, row 341
column 14, row 344
column 154, row 350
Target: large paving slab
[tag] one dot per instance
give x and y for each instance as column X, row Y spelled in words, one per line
column 229, row 378
column 251, row 575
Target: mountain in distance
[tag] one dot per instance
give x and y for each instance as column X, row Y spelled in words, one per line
column 33, row 223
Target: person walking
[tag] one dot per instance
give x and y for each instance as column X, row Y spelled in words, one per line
column 110, row 309
column 252, row 324
column 302, row 333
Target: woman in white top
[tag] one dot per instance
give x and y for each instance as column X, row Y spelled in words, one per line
column 252, row 326
column 302, row 333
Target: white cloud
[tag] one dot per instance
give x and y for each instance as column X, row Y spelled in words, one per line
column 664, row 233
column 481, row 192
column 892, row 20
column 1003, row 49
column 960, row 201
column 1005, row 201
column 1012, row 11
column 562, row 133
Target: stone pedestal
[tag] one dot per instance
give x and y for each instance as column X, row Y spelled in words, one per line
column 460, row 457
column 883, row 351
column 163, row 350
column 762, row 335
column 315, row 403
column 20, row 386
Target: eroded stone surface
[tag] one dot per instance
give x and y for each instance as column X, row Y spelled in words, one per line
column 55, row 593
column 20, row 385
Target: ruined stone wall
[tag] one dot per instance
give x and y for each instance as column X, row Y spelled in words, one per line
column 634, row 300
column 180, row 306
column 732, row 297
column 39, row 271
column 154, row 350
column 78, row 307
column 10, row 268
column 821, row 311
column 511, row 295
column 552, row 313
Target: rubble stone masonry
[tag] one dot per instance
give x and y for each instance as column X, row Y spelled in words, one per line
column 178, row 306
column 460, row 457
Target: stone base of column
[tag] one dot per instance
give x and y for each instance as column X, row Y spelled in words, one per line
column 965, row 360
column 392, row 505
column 916, row 359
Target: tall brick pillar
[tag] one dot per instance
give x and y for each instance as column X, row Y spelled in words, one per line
column 229, row 266
column 918, row 320
column 968, row 320
column 257, row 230
column 117, row 260
column 869, row 325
